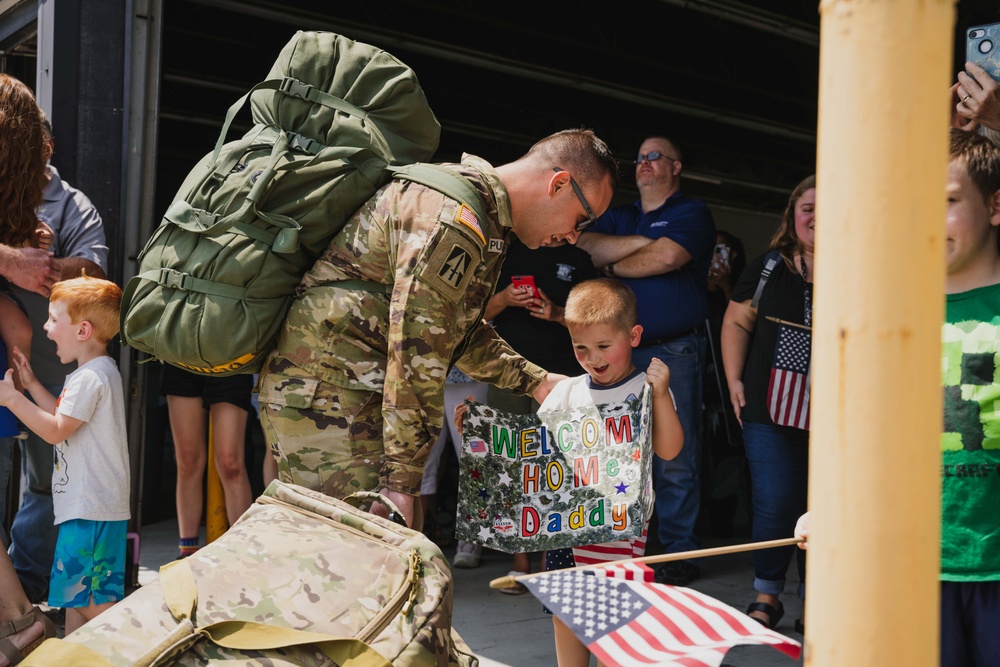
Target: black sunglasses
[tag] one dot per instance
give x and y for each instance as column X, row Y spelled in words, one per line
column 652, row 157
column 591, row 218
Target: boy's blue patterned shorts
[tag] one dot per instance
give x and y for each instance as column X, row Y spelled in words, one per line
column 89, row 562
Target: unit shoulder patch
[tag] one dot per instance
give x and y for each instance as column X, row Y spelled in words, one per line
column 451, row 265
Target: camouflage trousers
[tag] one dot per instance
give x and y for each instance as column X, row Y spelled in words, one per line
column 324, row 437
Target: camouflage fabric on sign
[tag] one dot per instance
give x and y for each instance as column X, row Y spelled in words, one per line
column 556, row 479
column 440, row 263
column 300, row 579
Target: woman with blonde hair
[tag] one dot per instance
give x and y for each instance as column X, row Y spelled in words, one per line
column 766, row 339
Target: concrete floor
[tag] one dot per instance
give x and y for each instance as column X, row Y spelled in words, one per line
column 511, row 630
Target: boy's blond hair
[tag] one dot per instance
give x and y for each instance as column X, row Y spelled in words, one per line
column 92, row 299
column 602, row 301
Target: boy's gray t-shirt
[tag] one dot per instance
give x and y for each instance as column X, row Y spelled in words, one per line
column 90, row 477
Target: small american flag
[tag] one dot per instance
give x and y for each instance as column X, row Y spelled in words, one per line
column 477, row 445
column 625, row 620
column 466, row 216
column 788, row 389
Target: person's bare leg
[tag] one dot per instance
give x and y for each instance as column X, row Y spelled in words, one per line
column 187, row 425
column 522, row 562
column 77, row 616
column 13, row 605
column 570, row 651
column 229, row 424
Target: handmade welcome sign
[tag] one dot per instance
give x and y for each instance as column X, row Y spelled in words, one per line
column 560, row 479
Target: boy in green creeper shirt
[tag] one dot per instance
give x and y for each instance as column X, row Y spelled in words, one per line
column 970, row 442
column 970, row 439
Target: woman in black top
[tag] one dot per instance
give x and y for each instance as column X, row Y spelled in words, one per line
column 766, row 338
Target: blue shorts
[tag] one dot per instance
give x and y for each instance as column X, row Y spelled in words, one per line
column 89, row 562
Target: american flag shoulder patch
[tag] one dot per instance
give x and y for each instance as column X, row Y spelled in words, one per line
column 467, row 217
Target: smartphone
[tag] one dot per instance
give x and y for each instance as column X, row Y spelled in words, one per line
column 529, row 281
column 721, row 257
column 982, row 46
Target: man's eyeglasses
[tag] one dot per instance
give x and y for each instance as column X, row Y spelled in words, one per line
column 652, row 157
column 591, row 218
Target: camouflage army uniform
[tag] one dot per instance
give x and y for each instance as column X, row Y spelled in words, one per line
column 352, row 398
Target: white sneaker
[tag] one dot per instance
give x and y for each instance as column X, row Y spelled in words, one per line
column 467, row 554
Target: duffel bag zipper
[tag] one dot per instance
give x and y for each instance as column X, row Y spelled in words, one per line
column 402, row 600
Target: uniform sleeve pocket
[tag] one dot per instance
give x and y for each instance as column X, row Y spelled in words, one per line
column 283, row 391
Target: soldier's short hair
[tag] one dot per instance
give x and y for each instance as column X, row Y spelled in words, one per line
column 602, row 301
column 93, row 300
column 580, row 152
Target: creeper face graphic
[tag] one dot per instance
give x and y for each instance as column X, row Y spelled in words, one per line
column 971, row 394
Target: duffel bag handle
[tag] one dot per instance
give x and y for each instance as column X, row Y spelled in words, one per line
column 395, row 515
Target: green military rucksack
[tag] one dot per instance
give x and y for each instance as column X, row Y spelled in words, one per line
column 220, row 272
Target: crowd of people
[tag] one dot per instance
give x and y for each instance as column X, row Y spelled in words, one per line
column 644, row 293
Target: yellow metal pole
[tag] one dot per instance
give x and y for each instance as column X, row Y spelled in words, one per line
column 216, row 521
column 876, row 383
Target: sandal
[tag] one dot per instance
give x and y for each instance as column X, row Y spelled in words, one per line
column 518, row 588
column 10, row 651
column 774, row 614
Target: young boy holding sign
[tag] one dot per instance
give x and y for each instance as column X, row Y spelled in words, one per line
column 602, row 319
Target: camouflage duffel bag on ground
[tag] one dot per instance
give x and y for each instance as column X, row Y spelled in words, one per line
column 300, row 579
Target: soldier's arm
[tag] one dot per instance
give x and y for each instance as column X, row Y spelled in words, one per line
column 488, row 358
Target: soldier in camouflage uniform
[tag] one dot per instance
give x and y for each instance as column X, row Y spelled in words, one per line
column 352, row 396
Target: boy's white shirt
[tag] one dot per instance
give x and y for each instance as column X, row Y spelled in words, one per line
column 580, row 391
column 91, row 476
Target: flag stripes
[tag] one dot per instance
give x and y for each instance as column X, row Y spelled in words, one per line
column 626, row 620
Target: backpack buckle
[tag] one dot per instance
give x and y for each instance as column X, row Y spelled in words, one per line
column 295, row 88
column 175, row 279
column 302, row 143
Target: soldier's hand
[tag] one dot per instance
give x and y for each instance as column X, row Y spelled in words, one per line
column 406, row 504
column 550, row 381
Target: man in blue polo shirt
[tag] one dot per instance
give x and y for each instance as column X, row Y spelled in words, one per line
column 661, row 246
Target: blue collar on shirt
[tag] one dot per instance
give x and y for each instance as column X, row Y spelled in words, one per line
column 672, row 199
column 590, row 381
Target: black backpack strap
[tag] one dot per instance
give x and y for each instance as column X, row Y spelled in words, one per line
column 772, row 259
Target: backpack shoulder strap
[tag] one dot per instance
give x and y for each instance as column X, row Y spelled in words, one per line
column 444, row 181
column 772, row 259
column 437, row 178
